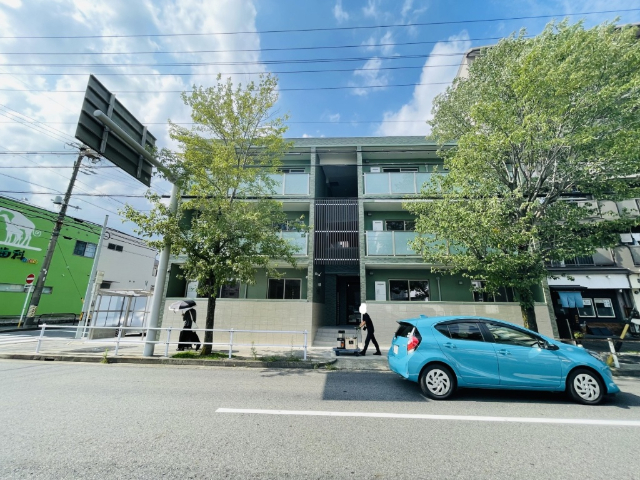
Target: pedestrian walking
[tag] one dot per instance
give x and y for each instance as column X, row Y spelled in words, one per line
column 367, row 325
column 187, row 336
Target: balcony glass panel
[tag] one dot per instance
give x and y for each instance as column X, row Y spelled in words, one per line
column 402, row 243
column 376, row 183
column 421, row 179
column 635, row 253
column 379, row 243
column 296, row 184
column 277, row 179
column 298, row 239
column 403, row 182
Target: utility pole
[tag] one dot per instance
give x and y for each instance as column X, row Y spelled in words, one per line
column 37, row 292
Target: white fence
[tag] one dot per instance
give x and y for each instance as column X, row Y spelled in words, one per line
column 123, row 340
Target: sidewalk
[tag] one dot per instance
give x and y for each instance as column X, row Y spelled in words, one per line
column 23, row 345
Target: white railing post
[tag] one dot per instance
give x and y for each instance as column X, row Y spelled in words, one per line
column 305, row 346
column 44, row 325
column 230, row 342
column 118, row 341
column 166, row 344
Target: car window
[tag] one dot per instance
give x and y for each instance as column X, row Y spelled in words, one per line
column 404, row 330
column 443, row 329
column 511, row 336
column 465, row 331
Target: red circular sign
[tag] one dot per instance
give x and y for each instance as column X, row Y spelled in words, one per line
column 30, row 278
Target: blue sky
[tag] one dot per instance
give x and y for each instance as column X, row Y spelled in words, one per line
column 427, row 54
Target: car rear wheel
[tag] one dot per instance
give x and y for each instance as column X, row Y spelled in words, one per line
column 438, row 382
column 586, row 387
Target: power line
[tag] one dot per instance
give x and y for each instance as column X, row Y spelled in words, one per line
column 274, row 49
column 193, row 123
column 321, row 29
column 295, row 89
column 37, row 122
column 260, row 62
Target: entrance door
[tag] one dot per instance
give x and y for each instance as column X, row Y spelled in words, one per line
column 348, row 300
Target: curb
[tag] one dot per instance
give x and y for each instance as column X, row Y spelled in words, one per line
column 625, row 373
column 309, row 365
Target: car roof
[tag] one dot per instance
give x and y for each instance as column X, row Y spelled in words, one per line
column 423, row 320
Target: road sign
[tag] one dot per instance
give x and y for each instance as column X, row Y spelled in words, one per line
column 30, row 278
column 93, row 133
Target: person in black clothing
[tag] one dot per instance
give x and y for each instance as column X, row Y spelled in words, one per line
column 187, row 336
column 367, row 325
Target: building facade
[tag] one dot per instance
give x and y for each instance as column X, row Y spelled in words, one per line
column 124, row 262
column 351, row 192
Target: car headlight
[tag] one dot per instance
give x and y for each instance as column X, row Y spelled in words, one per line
column 596, row 355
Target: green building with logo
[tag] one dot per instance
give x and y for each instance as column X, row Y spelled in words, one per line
column 25, row 231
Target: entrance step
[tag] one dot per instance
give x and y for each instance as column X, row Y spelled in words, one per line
column 326, row 336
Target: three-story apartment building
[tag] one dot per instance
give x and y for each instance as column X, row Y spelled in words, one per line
column 351, row 192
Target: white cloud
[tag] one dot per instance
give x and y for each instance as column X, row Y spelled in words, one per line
column 61, row 110
column 406, row 7
column 306, row 135
column 410, row 118
column 371, row 10
column 334, row 118
column 386, row 41
column 369, row 75
column 338, row 12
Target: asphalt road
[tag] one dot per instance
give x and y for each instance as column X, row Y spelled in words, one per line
column 123, row 421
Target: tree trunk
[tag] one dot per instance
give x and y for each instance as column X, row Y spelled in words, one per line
column 529, row 317
column 527, row 302
column 208, row 336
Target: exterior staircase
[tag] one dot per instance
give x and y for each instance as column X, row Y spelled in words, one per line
column 326, row 336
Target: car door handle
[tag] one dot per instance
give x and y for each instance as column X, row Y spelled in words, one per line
column 504, row 352
column 450, row 345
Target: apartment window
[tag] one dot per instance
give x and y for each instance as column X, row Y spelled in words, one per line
column 231, row 290
column 284, row 288
column 501, row 295
column 604, row 307
column 113, row 246
column 291, row 170
column 409, row 290
column 587, row 310
column 400, row 225
column 85, row 249
column 20, row 288
column 396, row 170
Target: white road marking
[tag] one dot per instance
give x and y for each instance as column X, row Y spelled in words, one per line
column 418, row 416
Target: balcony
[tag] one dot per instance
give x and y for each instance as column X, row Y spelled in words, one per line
column 284, row 184
column 396, row 183
column 297, row 239
column 290, row 183
column 395, row 243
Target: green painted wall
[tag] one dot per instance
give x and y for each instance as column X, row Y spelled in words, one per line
column 68, row 275
column 450, row 288
column 259, row 289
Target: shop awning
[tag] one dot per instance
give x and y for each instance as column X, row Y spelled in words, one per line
column 571, row 299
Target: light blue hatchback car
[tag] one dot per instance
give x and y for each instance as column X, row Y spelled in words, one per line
column 443, row 353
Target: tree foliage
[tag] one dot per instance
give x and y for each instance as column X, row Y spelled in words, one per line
column 226, row 227
column 537, row 124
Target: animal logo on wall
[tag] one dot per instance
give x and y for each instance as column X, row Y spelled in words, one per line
column 18, row 229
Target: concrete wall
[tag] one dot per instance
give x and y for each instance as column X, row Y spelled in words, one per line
column 249, row 315
column 132, row 268
column 385, row 315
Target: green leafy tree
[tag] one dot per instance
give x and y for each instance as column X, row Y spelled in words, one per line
column 227, row 227
column 537, row 123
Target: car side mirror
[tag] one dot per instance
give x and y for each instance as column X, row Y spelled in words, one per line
column 550, row 346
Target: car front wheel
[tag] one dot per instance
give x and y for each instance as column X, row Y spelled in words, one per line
column 438, row 382
column 585, row 387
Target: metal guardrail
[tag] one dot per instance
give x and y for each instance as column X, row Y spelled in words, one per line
column 120, row 340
